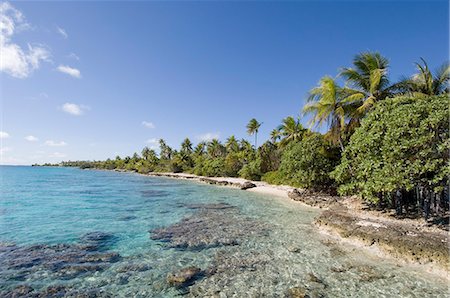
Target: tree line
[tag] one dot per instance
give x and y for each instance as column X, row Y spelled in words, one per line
column 386, row 142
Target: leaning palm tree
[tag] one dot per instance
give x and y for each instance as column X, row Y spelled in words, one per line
column 252, row 128
column 424, row 82
column 328, row 104
column 367, row 82
column 291, row 130
column 275, row 135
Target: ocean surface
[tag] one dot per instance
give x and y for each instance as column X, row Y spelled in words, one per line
column 87, row 233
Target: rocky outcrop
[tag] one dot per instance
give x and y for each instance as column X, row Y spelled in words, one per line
column 314, row 199
column 247, row 185
column 211, row 226
column 183, row 277
column 400, row 240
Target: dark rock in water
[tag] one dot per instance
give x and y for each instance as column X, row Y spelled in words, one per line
column 133, row 267
column 54, row 291
column 217, row 206
column 96, row 236
column 127, row 218
column 209, row 228
column 153, row 193
column 97, row 240
column 247, row 185
column 64, row 261
column 183, row 277
column 297, row 292
column 19, row 291
column 294, row 249
column 314, row 278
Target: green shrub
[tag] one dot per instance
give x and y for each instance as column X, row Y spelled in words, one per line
column 308, row 163
column 273, row 177
column 401, row 144
column 251, row 170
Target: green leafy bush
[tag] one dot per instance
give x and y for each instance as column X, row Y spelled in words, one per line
column 401, row 144
column 252, row 170
column 308, row 163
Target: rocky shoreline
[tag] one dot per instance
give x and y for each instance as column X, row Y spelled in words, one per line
column 402, row 240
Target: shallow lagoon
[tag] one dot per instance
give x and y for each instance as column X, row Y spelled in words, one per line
column 93, row 231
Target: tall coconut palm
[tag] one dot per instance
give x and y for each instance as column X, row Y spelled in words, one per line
column 165, row 151
column 367, row 81
column 252, row 128
column 328, row 103
column 291, row 130
column 216, row 149
column 424, row 82
column 200, row 149
column 145, row 152
column 186, row 147
column 232, row 144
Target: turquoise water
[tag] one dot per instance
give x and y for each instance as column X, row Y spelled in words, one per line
column 270, row 243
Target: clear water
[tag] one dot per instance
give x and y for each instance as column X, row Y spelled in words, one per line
column 60, row 205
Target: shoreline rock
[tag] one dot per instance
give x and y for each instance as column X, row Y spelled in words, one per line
column 399, row 240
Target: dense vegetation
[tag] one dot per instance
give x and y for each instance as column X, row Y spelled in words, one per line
column 386, row 142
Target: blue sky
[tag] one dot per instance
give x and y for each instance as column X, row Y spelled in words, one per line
column 90, row 80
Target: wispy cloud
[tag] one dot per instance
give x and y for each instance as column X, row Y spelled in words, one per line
column 206, row 137
column 148, row 124
column 62, row 32
column 73, row 72
column 52, row 143
column 4, row 135
column 74, row 109
column 15, row 61
column 153, row 143
column 31, row 139
column 73, row 56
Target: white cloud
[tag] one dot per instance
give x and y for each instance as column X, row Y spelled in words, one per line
column 4, row 135
column 206, row 137
column 62, row 32
column 148, row 124
column 74, row 109
column 57, row 155
column 15, row 61
column 154, row 143
column 73, row 72
column 31, row 139
column 52, row 143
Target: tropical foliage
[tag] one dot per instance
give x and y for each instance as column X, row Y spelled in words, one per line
column 386, row 142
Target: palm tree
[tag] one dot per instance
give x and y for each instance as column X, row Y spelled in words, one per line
column 232, row 144
column 145, row 153
column 215, row 149
column 328, row 103
column 424, row 82
column 200, row 149
column 252, row 128
column 368, row 81
column 186, row 147
column 165, row 151
column 291, row 130
column 275, row 135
